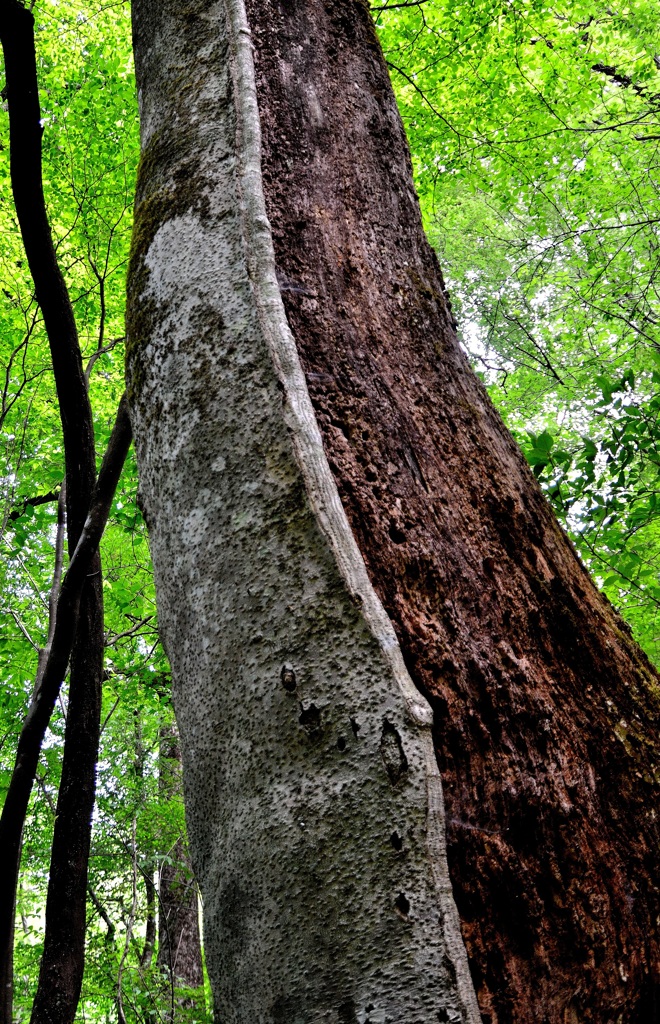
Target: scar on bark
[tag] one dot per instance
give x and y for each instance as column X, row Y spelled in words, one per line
column 391, row 749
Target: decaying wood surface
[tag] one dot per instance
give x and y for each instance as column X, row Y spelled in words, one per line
column 546, row 712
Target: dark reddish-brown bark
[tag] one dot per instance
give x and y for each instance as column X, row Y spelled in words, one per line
column 546, row 711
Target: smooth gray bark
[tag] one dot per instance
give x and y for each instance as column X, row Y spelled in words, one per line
column 313, row 796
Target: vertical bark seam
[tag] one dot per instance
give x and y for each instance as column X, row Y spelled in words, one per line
column 299, row 414
column 320, row 485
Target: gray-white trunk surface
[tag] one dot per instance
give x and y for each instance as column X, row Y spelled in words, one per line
column 314, row 801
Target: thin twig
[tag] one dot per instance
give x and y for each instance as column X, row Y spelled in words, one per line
column 129, row 924
column 23, row 630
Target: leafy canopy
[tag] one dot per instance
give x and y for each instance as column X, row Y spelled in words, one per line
column 534, row 130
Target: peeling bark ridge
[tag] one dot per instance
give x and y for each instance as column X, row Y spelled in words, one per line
column 330, row 571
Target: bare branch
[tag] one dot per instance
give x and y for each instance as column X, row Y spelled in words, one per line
column 100, row 352
column 405, row 3
column 38, row 499
column 23, row 630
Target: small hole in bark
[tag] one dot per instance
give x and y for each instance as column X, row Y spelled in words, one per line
column 310, row 718
column 396, row 841
column 288, row 677
column 391, row 750
column 402, row 905
column 355, row 726
column 346, row 1013
column 442, row 1016
column 397, row 535
column 371, row 476
column 369, row 1008
column 341, row 743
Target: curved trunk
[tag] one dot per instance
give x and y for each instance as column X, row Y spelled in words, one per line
column 306, row 754
column 313, row 796
column 62, row 962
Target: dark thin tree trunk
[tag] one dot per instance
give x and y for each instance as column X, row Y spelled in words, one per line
column 546, row 712
column 34, row 728
column 7, row 974
column 17, row 37
column 150, row 930
column 179, row 945
column 63, row 958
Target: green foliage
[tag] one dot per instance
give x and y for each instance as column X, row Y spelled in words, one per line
column 534, row 130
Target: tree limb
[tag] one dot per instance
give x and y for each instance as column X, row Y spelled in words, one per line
column 405, row 3
column 25, row 131
column 38, row 499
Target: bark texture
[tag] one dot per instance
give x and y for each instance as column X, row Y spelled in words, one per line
column 546, row 713
column 63, row 960
column 313, row 796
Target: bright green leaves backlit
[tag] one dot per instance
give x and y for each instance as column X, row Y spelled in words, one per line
column 535, row 131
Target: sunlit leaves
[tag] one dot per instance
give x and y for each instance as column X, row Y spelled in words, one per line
column 535, row 130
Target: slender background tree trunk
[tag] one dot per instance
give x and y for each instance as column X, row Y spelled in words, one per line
column 179, row 944
column 545, row 711
column 63, row 959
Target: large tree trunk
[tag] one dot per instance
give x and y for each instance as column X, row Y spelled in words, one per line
column 315, row 809
column 313, row 796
